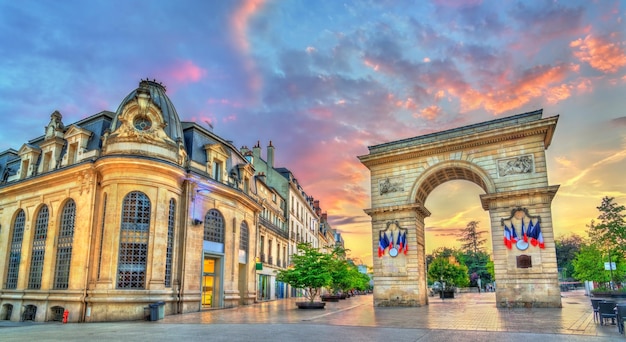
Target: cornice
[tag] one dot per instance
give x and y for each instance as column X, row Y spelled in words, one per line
column 395, row 208
column 543, row 127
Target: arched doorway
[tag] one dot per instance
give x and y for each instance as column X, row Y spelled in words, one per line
column 504, row 157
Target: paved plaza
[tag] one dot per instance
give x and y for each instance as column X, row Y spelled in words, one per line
column 469, row 317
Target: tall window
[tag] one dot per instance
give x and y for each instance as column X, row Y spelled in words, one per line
column 214, row 226
column 64, row 246
column 134, row 232
column 16, row 250
column 39, row 249
column 243, row 236
column 170, row 244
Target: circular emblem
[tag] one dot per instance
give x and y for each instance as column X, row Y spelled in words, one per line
column 142, row 123
column 393, row 252
column 521, row 245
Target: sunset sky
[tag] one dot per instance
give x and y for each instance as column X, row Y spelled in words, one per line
column 324, row 79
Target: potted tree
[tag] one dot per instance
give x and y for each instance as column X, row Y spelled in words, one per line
column 310, row 271
column 449, row 273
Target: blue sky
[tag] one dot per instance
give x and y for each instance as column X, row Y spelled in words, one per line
column 325, row 79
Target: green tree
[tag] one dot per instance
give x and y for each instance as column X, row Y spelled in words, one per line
column 589, row 265
column 472, row 239
column 448, row 270
column 566, row 249
column 610, row 232
column 474, row 256
column 311, row 271
column 611, row 228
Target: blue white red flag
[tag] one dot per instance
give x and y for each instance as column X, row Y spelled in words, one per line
column 404, row 243
column 381, row 245
column 514, row 237
column 524, row 233
column 507, row 237
column 399, row 242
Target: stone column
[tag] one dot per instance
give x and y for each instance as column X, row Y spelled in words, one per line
column 519, row 284
column 400, row 280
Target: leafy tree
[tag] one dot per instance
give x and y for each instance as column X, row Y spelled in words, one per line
column 611, row 229
column 610, row 233
column 589, row 265
column 448, row 270
column 311, row 271
column 566, row 249
column 474, row 256
column 472, row 239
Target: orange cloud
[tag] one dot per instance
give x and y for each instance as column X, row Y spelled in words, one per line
column 430, row 113
column 601, row 54
column 535, row 83
column 187, row 71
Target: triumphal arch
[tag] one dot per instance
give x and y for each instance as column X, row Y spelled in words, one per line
column 506, row 158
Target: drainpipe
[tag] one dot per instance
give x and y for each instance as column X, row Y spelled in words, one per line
column 184, row 220
column 91, row 213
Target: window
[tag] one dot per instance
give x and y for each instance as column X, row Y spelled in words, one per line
column 170, row 243
column 243, row 236
column 134, row 233
column 217, row 170
column 16, row 250
column 214, row 226
column 72, row 152
column 39, row 249
column 64, row 246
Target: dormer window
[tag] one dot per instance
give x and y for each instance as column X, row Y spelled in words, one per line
column 142, row 123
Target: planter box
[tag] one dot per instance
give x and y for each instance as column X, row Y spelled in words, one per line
column 309, row 305
column 330, row 298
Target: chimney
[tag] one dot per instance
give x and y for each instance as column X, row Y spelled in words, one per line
column 270, row 155
column 256, row 151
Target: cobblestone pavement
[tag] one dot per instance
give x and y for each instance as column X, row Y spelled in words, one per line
column 469, row 317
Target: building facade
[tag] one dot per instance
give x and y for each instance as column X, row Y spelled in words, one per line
column 124, row 209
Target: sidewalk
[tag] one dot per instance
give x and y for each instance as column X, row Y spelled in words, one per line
column 469, row 317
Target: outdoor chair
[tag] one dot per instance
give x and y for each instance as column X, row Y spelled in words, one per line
column 621, row 317
column 607, row 310
column 595, row 304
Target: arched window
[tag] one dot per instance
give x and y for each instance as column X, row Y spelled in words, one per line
column 214, row 226
column 243, row 236
column 134, row 233
column 170, row 243
column 16, row 250
column 64, row 246
column 39, row 249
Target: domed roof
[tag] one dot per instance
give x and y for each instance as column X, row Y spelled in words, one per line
column 173, row 129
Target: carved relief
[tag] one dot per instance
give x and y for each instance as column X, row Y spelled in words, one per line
column 390, row 185
column 518, row 165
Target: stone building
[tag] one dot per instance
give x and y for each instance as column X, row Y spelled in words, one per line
column 301, row 217
column 114, row 212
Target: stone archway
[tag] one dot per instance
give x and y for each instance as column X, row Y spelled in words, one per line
column 506, row 158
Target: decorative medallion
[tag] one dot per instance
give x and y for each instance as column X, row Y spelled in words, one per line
column 392, row 239
column 529, row 229
column 142, row 123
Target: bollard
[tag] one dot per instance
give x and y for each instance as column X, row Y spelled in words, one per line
column 66, row 314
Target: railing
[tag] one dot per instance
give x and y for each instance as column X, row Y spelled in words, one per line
column 271, row 226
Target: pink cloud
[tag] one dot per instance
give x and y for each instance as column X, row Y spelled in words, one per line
column 601, row 53
column 239, row 21
column 186, row 71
